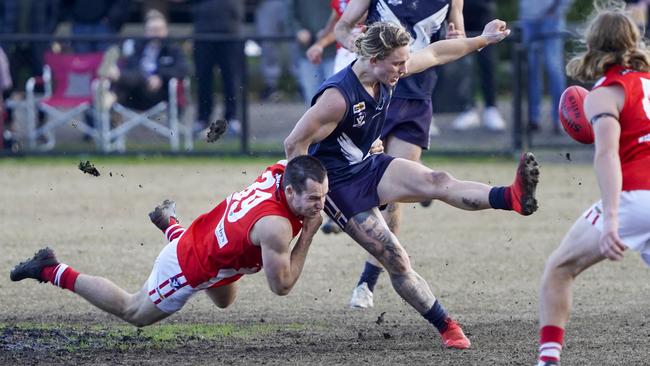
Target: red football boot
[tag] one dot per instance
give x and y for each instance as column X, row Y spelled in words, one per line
column 454, row 337
column 522, row 191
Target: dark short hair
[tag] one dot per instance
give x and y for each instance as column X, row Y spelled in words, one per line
column 301, row 168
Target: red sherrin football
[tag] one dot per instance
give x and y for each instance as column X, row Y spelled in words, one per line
column 572, row 115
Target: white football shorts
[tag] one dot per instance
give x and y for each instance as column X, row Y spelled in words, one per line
column 633, row 220
column 167, row 287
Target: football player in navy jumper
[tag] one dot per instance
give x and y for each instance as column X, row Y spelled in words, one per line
column 346, row 119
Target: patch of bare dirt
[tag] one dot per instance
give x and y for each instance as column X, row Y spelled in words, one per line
column 484, row 267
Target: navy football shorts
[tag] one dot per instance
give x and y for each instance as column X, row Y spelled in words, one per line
column 409, row 120
column 359, row 193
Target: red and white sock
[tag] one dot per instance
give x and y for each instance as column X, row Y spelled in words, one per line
column 174, row 231
column 551, row 339
column 60, row 275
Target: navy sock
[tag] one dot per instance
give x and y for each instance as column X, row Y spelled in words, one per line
column 370, row 275
column 437, row 316
column 498, row 198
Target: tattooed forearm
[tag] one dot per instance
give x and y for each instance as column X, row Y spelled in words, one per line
column 472, row 204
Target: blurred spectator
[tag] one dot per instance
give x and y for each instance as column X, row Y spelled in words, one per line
column 309, row 17
column 223, row 17
column 476, row 14
column 542, row 22
column 453, row 27
column 97, row 17
column 160, row 5
column 142, row 82
column 5, row 74
column 272, row 19
column 25, row 58
column 28, row 16
column 5, row 84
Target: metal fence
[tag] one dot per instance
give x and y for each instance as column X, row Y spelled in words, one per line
column 266, row 124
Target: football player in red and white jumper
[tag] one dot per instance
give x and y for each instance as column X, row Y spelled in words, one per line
column 619, row 111
column 249, row 230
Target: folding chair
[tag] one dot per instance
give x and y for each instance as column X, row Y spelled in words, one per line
column 114, row 137
column 70, row 82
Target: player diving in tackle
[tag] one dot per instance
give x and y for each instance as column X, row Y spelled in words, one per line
column 248, row 228
column 346, row 118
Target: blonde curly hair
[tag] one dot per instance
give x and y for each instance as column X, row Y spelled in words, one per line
column 612, row 38
column 380, row 39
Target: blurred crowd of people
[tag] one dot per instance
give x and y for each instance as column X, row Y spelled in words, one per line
column 139, row 71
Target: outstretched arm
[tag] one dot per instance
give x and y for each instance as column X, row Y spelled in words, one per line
column 316, row 124
column 282, row 264
column 353, row 14
column 442, row 52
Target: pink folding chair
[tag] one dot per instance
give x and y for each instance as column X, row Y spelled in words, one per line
column 70, row 85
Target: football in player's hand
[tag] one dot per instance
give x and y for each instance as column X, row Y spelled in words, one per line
column 572, row 115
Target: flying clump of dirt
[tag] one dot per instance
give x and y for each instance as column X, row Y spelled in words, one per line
column 217, row 129
column 88, row 168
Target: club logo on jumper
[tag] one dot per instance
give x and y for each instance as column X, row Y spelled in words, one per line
column 220, row 233
column 359, row 115
column 173, row 283
column 359, row 107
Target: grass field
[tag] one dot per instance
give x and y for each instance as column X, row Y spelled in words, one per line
column 483, row 266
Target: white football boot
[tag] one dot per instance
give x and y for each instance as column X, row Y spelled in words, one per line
column 361, row 297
